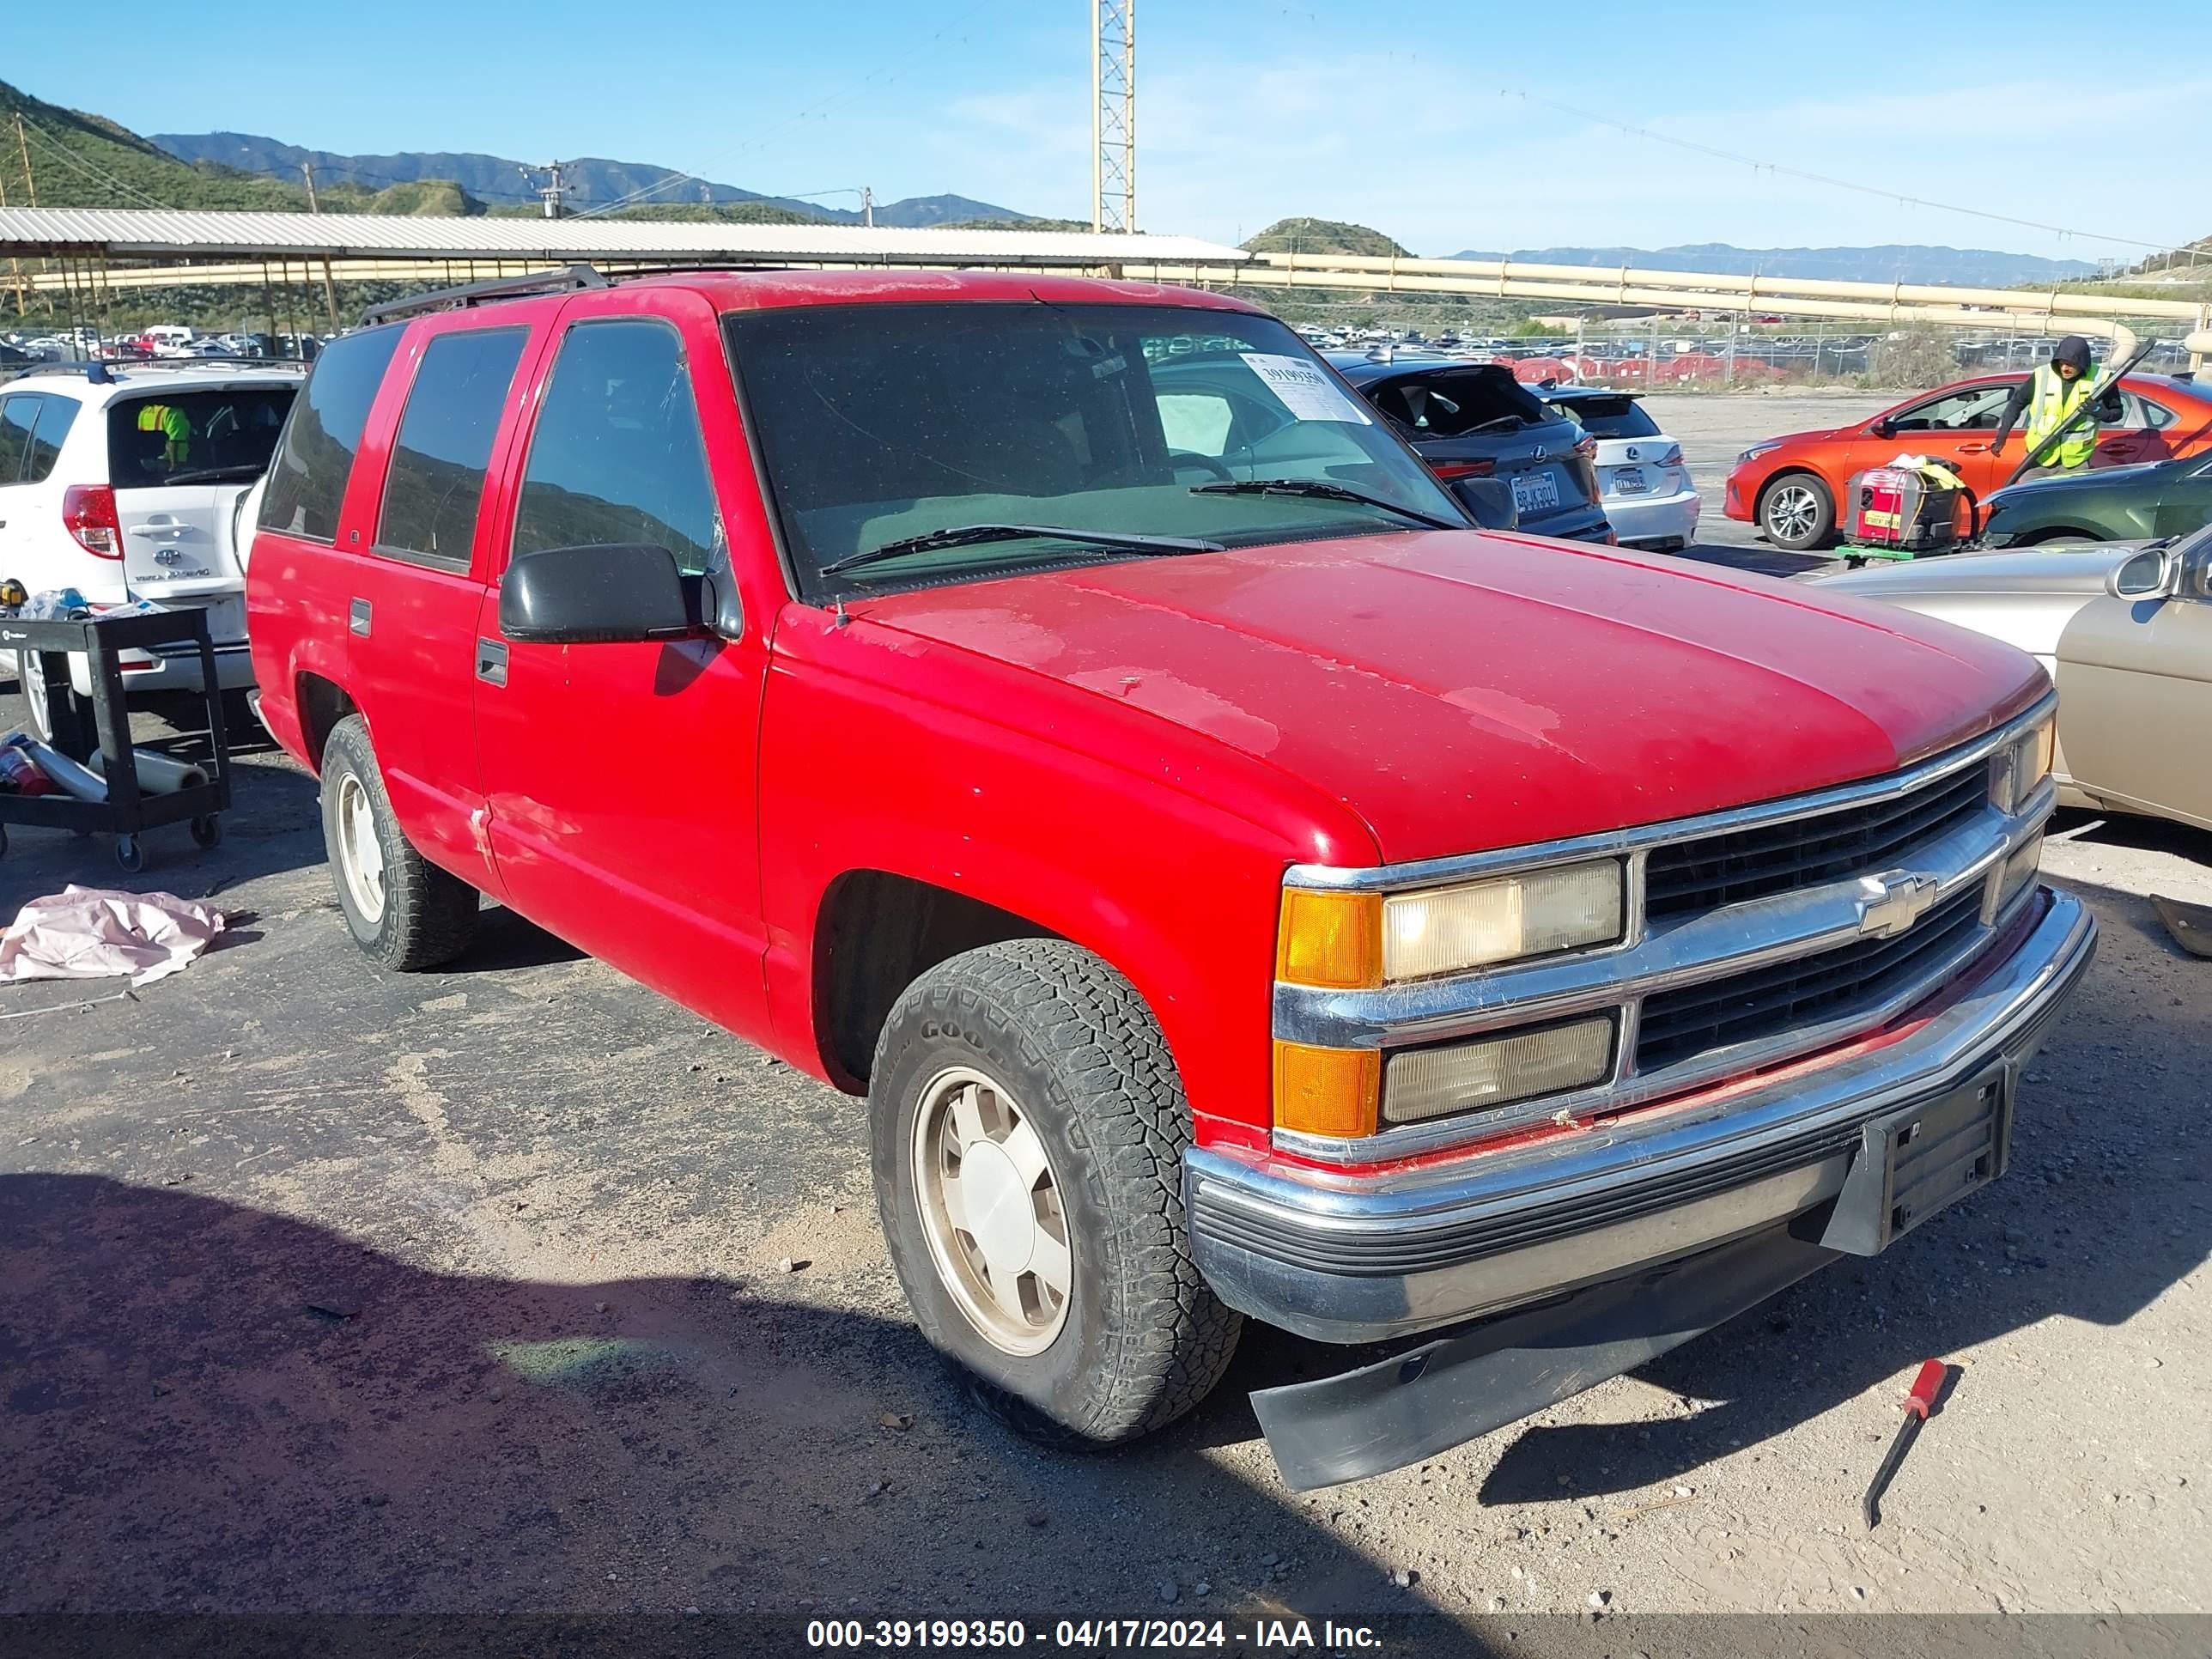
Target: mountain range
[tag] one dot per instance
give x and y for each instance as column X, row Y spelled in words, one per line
column 1892, row 261
column 500, row 182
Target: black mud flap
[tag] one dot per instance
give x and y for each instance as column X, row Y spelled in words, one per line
column 1428, row 1398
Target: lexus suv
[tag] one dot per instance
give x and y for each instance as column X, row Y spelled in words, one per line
column 1238, row 887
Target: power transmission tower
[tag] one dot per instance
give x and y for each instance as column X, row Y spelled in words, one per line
column 1114, row 115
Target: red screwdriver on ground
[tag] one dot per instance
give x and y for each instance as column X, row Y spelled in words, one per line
column 1919, row 1405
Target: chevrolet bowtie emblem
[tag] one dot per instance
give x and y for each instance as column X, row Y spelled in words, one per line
column 1890, row 904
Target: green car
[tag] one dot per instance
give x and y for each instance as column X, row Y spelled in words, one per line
column 2102, row 504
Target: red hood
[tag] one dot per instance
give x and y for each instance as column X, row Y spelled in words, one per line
column 1464, row 691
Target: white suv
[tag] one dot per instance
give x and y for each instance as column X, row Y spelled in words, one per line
column 127, row 481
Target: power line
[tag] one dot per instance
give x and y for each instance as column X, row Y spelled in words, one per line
column 63, row 153
column 1902, row 197
column 873, row 82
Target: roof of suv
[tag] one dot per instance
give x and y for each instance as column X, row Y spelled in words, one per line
column 170, row 374
column 756, row 290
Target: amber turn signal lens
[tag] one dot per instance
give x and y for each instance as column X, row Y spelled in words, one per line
column 1327, row 1091
column 1332, row 939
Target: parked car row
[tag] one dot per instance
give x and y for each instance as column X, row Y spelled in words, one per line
column 1583, row 464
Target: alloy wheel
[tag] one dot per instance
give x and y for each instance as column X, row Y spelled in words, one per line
column 1792, row 510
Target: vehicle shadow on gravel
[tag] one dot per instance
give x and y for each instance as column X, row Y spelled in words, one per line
column 214, row 1408
column 2104, row 1208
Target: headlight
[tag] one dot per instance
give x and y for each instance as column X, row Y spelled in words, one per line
column 1448, row 930
column 1758, row 450
column 1422, row 1084
column 1358, row 941
column 2019, row 768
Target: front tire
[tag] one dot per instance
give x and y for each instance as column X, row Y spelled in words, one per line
column 402, row 910
column 1796, row 513
column 1028, row 1128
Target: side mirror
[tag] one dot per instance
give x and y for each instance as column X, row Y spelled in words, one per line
column 1885, row 428
column 1489, row 502
column 2149, row 575
column 627, row 593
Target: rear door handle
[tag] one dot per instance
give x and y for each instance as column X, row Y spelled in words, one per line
column 357, row 617
column 491, row 661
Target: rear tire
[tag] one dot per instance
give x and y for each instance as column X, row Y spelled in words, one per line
column 1796, row 513
column 39, row 717
column 1050, row 1264
column 402, row 910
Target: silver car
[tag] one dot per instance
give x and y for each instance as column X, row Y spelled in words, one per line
column 2126, row 630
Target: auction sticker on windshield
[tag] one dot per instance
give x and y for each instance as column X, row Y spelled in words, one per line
column 1305, row 389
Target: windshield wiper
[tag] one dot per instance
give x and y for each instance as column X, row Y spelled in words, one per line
column 1326, row 491
column 974, row 535
column 208, row 474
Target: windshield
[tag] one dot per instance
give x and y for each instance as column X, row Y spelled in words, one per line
column 881, row 424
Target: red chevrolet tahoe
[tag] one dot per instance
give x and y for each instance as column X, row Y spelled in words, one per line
column 1239, row 886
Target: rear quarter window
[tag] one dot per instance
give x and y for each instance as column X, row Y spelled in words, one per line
column 315, row 457
column 56, row 417
column 18, row 415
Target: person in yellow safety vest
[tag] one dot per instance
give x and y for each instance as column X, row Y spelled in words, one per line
column 2053, row 393
column 175, row 428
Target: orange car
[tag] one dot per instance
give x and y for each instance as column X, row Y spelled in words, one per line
column 1789, row 486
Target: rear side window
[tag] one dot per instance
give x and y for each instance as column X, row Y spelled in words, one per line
column 314, row 459
column 617, row 455
column 56, row 417
column 18, row 415
column 211, row 436
column 437, row 479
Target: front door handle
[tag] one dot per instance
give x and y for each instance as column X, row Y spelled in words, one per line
column 357, row 617
column 1973, row 449
column 491, row 661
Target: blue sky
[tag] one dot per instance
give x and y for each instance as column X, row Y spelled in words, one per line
column 1390, row 113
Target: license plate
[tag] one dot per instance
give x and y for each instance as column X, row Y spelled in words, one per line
column 1535, row 492
column 1914, row 1163
column 1629, row 481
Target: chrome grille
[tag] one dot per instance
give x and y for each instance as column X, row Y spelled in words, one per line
column 1780, row 858
column 1680, row 1024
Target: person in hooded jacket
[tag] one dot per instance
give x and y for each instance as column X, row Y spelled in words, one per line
column 2049, row 395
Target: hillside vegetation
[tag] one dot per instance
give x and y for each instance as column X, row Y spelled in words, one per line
column 1325, row 236
column 87, row 161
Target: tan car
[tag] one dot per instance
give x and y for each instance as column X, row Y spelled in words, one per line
column 2126, row 630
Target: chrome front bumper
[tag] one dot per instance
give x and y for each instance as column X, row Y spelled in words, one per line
column 1355, row 1258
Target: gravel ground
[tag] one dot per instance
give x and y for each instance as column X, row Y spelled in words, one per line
column 327, row 1289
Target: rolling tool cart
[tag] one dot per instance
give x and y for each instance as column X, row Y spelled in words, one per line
column 128, row 809
column 1902, row 511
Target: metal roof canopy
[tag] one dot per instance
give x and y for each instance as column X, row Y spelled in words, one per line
column 141, row 233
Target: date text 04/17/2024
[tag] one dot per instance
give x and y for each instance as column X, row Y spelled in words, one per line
column 1094, row 1635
